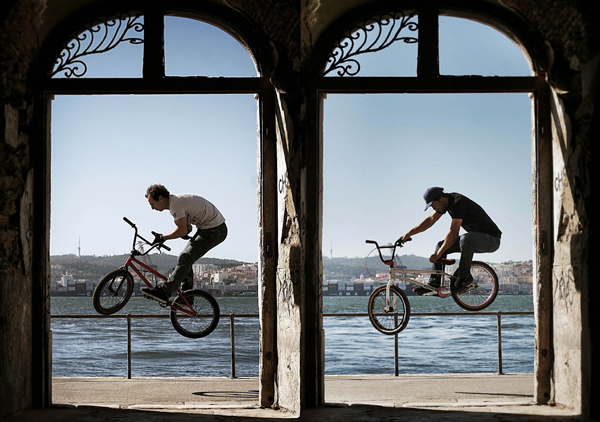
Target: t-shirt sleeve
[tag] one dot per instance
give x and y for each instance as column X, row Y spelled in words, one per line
column 177, row 210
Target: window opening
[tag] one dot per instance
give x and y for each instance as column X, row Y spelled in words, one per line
column 402, row 144
column 380, row 153
column 206, row 50
column 81, row 53
column 106, row 150
column 374, row 35
column 472, row 48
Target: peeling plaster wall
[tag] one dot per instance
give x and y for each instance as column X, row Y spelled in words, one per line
column 18, row 46
column 572, row 162
column 289, row 281
column 572, row 41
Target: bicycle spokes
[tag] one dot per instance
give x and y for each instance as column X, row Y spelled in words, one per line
column 195, row 316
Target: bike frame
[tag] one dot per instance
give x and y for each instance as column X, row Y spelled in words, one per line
column 132, row 262
column 396, row 273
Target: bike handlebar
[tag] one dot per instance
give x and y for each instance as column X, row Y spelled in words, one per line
column 397, row 243
column 158, row 245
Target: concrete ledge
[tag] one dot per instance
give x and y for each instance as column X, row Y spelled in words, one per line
column 349, row 397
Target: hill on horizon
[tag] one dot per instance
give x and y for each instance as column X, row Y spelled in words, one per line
column 355, row 267
column 91, row 267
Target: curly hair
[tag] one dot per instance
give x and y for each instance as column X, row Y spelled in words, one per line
column 156, row 191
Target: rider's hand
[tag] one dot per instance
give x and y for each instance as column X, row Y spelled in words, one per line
column 435, row 258
column 158, row 239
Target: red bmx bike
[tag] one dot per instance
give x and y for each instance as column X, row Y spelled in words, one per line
column 193, row 313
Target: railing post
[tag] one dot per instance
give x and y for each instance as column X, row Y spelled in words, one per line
column 128, row 346
column 396, row 347
column 499, row 316
column 232, row 335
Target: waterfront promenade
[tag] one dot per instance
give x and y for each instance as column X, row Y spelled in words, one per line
column 447, row 397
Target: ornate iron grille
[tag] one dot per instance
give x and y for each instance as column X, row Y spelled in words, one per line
column 97, row 37
column 369, row 36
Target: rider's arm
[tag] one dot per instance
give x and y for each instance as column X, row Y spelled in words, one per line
column 181, row 230
column 449, row 240
column 423, row 225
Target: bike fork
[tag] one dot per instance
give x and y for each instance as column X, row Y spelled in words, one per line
column 389, row 306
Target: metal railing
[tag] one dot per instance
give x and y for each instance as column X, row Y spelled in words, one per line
column 232, row 318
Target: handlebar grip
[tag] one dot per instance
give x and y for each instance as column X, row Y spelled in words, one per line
column 162, row 245
column 128, row 221
column 401, row 241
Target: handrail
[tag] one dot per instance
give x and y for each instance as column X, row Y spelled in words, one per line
column 232, row 317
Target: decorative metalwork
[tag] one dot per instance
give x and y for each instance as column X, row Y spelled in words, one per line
column 369, row 36
column 99, row 36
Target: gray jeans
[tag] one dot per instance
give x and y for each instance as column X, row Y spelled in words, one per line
column 469, row 244
column 200, row 244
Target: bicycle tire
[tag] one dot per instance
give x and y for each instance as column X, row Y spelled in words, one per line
column 482, row 292
column 389, row 321
column 205, row 319
column 113, row 292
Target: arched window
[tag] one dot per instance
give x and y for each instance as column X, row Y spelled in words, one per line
column 391, row 146
column 138, row 61
column 113, row 47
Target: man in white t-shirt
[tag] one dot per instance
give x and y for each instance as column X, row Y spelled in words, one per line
column 187, row 210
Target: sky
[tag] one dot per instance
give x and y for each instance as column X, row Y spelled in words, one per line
column 380, row 151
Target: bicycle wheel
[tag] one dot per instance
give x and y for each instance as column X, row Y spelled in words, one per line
column 199, row 321
column 389, row 317
column 482, row 292
column 113, row 292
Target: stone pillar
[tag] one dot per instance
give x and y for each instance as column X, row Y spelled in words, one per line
column 21, row 384
column 570, row 278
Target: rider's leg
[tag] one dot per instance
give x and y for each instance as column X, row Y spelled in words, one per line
column 188, row 281
column 435, row 279
column 471, row 243
column 202, row 242
column 198, row 246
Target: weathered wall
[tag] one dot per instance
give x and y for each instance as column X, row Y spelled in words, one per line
column 281, row 24
column 572, row 175
column 18, row 46
column 572, row 41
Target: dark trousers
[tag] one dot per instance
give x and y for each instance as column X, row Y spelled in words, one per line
column 202, row 242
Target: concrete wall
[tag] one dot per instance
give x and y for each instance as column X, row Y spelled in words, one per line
column 291, row 29
column 573, row 46
column 18, row 46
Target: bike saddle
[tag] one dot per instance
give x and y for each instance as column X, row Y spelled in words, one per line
column 446, row 261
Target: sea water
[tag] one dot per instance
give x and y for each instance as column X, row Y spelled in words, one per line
column 86, row 347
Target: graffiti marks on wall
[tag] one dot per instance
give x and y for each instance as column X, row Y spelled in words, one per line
column 566, row 283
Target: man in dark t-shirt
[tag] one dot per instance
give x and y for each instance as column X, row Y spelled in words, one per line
column 482, row 235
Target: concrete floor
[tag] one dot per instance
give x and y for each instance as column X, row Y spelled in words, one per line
column 362, row 398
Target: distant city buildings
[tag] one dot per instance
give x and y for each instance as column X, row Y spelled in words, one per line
column 514, row 278
column 233, row 281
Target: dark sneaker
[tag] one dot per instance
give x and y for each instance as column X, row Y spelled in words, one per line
column 461, row 284
column 158, row 294
column 422, row 290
